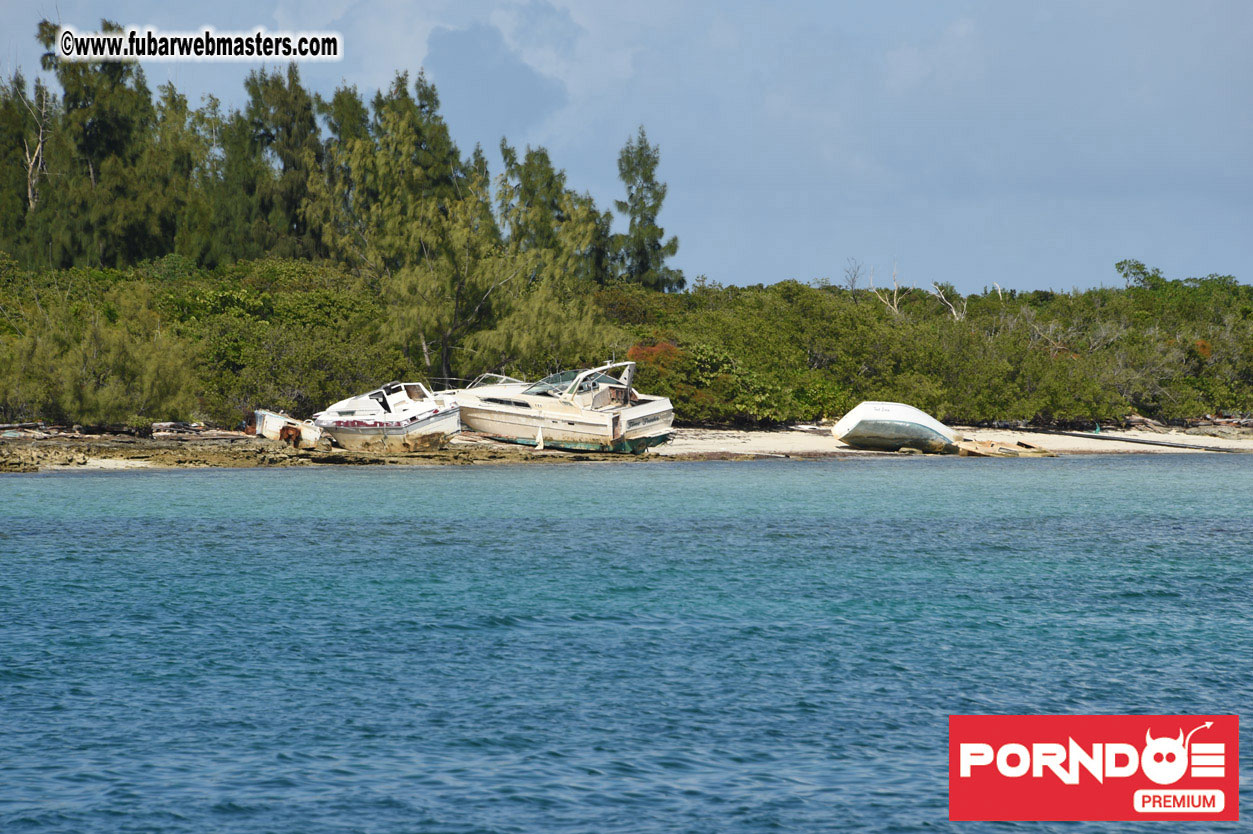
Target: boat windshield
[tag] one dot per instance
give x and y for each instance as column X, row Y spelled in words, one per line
column 598, row 379
column 554, row 385
column 557, row 384
column 493, row 379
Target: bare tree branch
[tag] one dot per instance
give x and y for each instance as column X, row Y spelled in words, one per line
column 892, row 301
column 852, row 274
column 938, row 292
column 35, row 164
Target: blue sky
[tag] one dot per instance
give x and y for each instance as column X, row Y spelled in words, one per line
column 1030, row 145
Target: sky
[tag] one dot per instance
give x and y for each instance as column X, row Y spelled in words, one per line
column 1030, row 146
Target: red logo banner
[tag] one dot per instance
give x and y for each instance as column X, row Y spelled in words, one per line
column 1093, row 767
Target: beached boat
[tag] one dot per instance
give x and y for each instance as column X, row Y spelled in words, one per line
column 400, row 416
column 277, row 426
column 894, row 426
column 592, row 409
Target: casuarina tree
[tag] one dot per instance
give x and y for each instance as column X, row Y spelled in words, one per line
column 642, row 251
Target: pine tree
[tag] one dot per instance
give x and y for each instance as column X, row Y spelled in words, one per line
column 98, row 213
column 28, row 121
column 550, row 321
column 539, row 214
column 167, row 166
column 454, row 288
column 529, row 197
column 379, row 179
column 284, row 125
column 404, row 208
column 346, row 116
column 237, row 188
column 641, row 253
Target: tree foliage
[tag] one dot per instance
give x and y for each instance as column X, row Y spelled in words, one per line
column 643, row 250
column 161, row 258
column 1172, row 349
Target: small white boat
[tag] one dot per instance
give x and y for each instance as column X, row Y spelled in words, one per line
column 593, row 409
column 891, row 427
column 400, row 416
column 271, row 425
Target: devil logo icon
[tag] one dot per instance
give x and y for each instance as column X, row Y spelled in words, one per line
column 1165, row 760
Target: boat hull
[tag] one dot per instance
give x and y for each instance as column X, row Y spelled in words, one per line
column 416, row 434
column 633, row 446
column 270, row 425
column 892, row 436
column 645, row 426
column 890, row 427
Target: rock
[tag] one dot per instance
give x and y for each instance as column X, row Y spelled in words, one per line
column 1228, row 432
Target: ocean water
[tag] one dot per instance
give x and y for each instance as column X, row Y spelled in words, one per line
column 655, row 647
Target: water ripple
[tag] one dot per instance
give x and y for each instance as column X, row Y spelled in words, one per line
column 720, row 647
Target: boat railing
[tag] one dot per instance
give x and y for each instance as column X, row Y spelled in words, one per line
column 627, row 371
column 483, row 380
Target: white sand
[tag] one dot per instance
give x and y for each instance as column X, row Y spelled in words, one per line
column 819, row 441
column 732, row 442
column 1091, row 445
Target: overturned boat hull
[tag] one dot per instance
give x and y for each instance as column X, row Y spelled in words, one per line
column 890, row 427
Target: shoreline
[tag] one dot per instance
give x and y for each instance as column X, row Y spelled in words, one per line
column 236, row 450
column 816, row 441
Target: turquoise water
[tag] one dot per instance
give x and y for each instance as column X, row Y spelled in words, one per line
column 705, row 647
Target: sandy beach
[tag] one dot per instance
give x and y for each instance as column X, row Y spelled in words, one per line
column 1069, row 445
column 817, row 441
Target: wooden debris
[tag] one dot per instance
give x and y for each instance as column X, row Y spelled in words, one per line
column 996, row 449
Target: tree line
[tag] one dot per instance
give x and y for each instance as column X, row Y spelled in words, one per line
column 103, row 174
column 164, row 261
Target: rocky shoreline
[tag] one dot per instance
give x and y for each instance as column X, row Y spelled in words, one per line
column 120, row 452
column 70, row 451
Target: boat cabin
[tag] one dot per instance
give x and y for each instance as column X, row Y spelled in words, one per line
column 608, row 386
column 386, row 400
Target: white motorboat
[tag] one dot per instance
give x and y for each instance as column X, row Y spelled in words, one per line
column 592, row 409
column 894, row 426
column 400, row 416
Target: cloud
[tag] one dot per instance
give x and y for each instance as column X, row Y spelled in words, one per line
column 485, row 88
column 1042, row 141
column 944, row 65
column 542, row 35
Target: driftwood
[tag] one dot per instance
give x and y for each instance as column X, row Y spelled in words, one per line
column 996, row 449
column 1123, row 439
column 180, row 428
